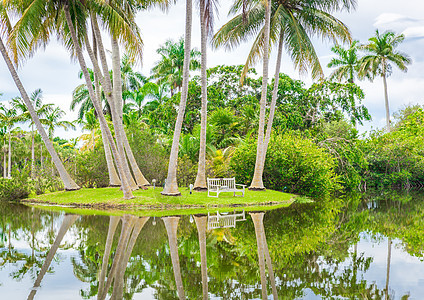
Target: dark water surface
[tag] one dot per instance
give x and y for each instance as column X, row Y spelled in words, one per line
column 371, row 248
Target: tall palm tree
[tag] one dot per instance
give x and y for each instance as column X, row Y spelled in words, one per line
column 381, row 54
column 140, row 96
column 171, row 185
column 10, row 116
column 292, row 22
column 206, row 28
column 41, row 109
column 170, row 68
column 53, row 120
column 346, row 62
column 5, row 28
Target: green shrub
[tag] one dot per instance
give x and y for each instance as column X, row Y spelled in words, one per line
column 44, row 182
column 15, row 188
column 293, row 164
column 91, row 168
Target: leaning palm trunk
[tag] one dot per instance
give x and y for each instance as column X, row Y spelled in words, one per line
column 116, row 108
column 257, row 182
column 171, row 225
column 274, row 99
column 67, row 180
column 67, row 222
column 9, row 154
column 127, row 226
column 171, row 185
column 113, row 175
column 257, row 221
column 113, row 223
column 201, row 229
column 200, row 183
column 107, row 86
column 119, row 161
column 139, row 177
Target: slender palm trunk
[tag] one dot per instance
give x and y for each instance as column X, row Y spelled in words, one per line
column 4, row 160
column 113, row 223
column 67, row 180
column 386, row 100
column 67, row 222
column 257, row 182
column 257, row 219
column 274, row 99
column 200, row 183
column 125, row 186
column 139, row 177
column 113, row 175
column 171, row 186
column 9, row 154
column 201, row 223
column 171, row 225
column 107, row 86
column 389, row 256
column 117, row 108
column 127, row 226
column 269, row 265
column 92, row 138
column 32, row 152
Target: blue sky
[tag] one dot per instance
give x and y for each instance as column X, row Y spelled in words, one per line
column 54, row 72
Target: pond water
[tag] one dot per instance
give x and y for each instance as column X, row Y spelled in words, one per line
column 370, row 248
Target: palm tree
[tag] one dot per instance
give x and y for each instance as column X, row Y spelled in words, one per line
column 90, row 123
column 41, row 109
column 206, row 28
column 170, row 68
column 291, row 24
column 346, row 62
column 52, row 119
column 67, row 180
column 140, row 96
column 381, row 54
column 171, row 185
column 10, row 116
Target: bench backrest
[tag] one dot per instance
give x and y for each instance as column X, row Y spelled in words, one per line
column 228, row 182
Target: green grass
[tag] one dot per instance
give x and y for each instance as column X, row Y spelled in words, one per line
column 152, row 199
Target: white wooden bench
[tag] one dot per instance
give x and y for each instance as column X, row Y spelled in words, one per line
column 220, row 185
column 225, row 220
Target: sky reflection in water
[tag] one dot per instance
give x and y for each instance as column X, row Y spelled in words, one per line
column 316, row 251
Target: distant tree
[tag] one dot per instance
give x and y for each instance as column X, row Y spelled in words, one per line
column 346, row 63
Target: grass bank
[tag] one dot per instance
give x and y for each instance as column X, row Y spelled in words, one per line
column 111, row 198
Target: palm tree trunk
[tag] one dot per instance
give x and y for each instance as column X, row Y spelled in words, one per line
column 9, row 154
column 201, row 223
column 113, row 223
column 389, row 256
column 127, row 226
column 32, row 152
column 113, row 175
column 274, row 98
column 119, row 161
column 269, row 265
column 4, row 160
column 386, row 101
column 118, row 285
column 92, row 137
column 41, row 157
column 117, row 108
column 67, row 222
column 139, row 177
column 171, row 186
column 107, row 86
column 200, row 183
column 67, row 180
column 257, row 182
column 257, row 219
column 171, row 225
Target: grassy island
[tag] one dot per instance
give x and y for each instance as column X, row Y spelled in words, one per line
column 111, row 198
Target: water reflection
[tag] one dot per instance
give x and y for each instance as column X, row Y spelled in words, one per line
column 324, row 250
